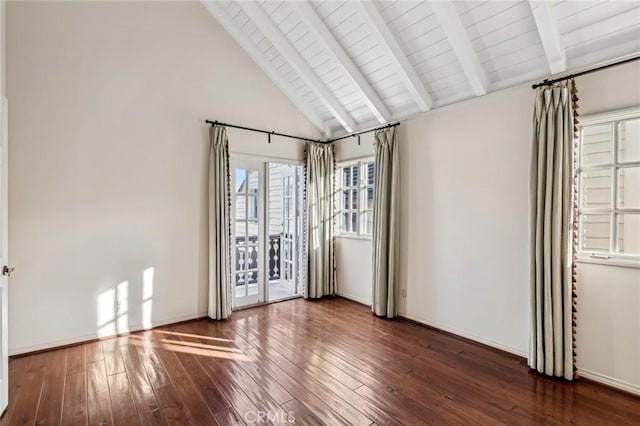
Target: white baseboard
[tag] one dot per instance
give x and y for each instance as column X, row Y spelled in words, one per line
column 92, row 336
column 470, row 336
column 609, row 381
column 353, row 298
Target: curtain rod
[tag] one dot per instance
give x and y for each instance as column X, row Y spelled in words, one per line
column 251, row 129
column 350, row 135
column 284, row 135
column 547, row 82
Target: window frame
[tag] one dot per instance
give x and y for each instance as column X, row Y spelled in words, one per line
column 361, row 209
column 610, row 256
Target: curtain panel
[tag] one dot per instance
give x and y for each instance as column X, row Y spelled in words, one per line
column 385, row 222
column 319, row 198
column 551, row 345
column 220, row 289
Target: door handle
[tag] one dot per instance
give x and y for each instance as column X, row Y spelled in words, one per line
column 7, row 271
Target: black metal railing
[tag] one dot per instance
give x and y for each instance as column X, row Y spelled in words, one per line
column 249, row 253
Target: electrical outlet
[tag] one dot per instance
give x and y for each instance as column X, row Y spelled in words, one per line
column 404, row 293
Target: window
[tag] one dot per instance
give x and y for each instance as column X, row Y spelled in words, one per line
column 355, row 198
column 609, row 186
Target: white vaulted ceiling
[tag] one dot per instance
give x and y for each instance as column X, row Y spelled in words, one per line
column 352, row 65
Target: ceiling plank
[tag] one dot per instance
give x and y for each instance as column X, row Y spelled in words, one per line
column 461, row 45
column 289, row 52
column 370, row 97
column 549, row 35
column 217, row 10
column 394, row 52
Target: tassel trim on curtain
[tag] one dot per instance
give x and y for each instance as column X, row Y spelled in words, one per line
column 575, row 223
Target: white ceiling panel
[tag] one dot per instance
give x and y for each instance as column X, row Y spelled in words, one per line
column 346, row 62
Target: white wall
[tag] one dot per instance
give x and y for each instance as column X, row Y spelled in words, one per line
column 464, row 218
column 464, row 230
column 108, row 154
column 3, row 48
column 608, row 332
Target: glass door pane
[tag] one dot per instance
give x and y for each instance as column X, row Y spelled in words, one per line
column 284, row 224
column 246, row 241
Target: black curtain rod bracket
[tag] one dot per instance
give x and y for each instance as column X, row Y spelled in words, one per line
column 547, row 82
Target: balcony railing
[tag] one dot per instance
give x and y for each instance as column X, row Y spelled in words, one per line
column 250, row 249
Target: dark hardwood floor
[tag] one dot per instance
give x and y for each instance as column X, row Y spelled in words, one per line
column 328, row 362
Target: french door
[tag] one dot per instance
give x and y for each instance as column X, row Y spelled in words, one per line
column 247, row 230
column 266, row 230
column 288, row 231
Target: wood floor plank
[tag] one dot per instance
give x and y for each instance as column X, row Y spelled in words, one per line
column 173, row 409
column 93, row 351
column 230, row 417
column 300, row 414
column 98, row 398
column 323, row 362
column 157, row 375
column 142, row 392
column 124, row 410
column 207, row 386
column 26, row 404
column 186, row 391
column 112, row 356
column 271, row 386
column 17, row 371
column 74, row 408
column 332, row 409
column 76, row 359
column 52, row 394
column 243, row 393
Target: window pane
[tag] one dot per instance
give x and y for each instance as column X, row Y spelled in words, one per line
column 354, row 199
column 252, row 257
column 252, row 180
column 241, row 207
column 629, row 141
column 239, row 279
column 629, row 188
column 346, row 176
column 354, row 222
column 345, row 199
column 345, row 222
column 240, row 258
column 369, row 198
column 252, row 208
column 252, row 228
column 371, row 173
column 241, row 231
column 595, row 190
column 595, row 231
column 354, row 175
column 240, row 180
column 369, row 221
column 629, row 234
column 596, row 144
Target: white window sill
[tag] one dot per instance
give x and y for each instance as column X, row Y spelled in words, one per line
column 612, row 261
column 354, row 237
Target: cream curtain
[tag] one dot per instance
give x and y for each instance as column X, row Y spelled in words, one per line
column 220, row 294
column 385, row 222
column 551, row 346
column 320, row 271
